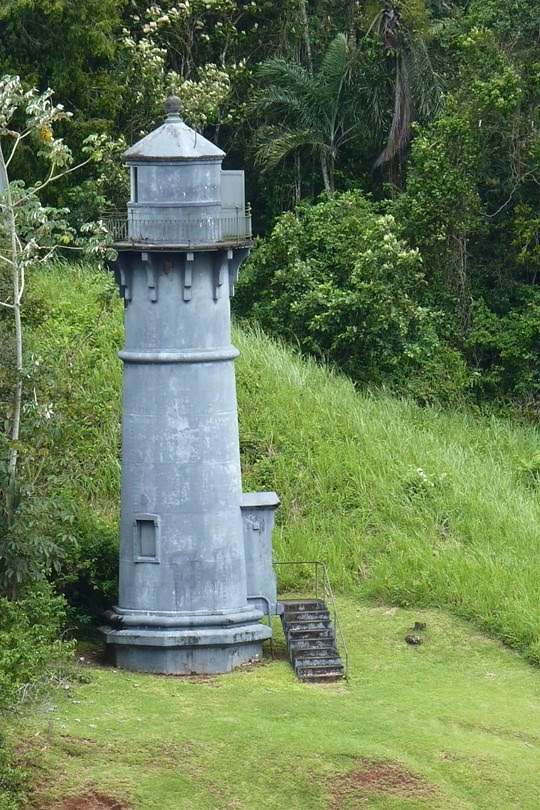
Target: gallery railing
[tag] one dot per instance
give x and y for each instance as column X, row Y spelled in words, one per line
column 229, row 227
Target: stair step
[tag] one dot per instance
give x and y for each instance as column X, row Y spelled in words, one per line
column 311, row 624
column 316, row 662
column 310, row 633
column 324, row 669
column 324, row 678
column 313, row 654
column 311, row 644
column 311, row 651
column 305, row 615
column 302, row 604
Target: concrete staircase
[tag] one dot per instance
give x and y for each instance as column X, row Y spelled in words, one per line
column 311, row 640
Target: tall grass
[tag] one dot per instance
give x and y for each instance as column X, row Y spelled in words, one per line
column 407, row 505
column 404, row 504
column 71, row 355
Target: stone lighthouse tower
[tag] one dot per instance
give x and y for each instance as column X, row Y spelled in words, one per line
column 195, row 554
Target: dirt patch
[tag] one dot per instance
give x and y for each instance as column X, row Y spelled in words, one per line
column 378, row 777
column 90, row 801
column 249, row 666
column 93, row 657
column 74, row 746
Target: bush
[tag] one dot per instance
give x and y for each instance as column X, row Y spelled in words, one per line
column 32, row 652
column 88, row 577
column 338, row 279
column 60, row 520
column 504, row 349
column 12, row 779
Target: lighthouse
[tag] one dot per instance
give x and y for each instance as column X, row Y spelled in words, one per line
column 195, row 561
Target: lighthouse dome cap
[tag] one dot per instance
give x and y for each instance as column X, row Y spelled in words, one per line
column 173, row 140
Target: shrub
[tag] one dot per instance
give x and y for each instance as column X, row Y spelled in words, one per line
column 12, row 779
column 32, row 652
column 504, row 349
column 338, row 279
column 88, row 577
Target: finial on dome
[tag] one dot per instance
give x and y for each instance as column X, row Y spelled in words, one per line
column 173, row 105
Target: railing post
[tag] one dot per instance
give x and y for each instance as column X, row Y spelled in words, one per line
column 247, row 221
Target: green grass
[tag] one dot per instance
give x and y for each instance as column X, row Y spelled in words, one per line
column 72, row 357
column 406, row 505
column 456, row 719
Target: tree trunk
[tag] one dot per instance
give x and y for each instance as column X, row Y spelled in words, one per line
column 327, row 177
column 457, row 278
column 11, row 226
column 17, row 395
column 351, row 21
column 297, row 179
column 305, row 34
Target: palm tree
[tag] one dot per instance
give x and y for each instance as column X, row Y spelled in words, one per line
column 315, row 111
column 403, row 27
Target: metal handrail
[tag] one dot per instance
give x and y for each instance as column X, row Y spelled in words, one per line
column 225, row 227
column 325, row 588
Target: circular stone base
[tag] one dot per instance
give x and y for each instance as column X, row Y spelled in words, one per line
column 187, row 660
column 197, row 651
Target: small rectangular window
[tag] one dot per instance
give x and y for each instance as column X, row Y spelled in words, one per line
column 146, row 538
column 134, row 185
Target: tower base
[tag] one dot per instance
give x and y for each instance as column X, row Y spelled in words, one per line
column 189, row 651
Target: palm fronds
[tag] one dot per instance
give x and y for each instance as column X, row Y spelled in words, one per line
column 273, row 144
column 425, row 83
column 305, row 110
column 403, row 30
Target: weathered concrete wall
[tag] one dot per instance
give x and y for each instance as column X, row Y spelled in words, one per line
column 258, row 510
column 182, row 557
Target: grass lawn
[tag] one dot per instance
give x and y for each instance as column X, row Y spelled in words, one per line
column 453, row 723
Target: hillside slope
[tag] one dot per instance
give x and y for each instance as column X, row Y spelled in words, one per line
column 410, row 505
column 407, row 505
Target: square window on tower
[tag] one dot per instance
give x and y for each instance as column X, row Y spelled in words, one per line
column 146, row 538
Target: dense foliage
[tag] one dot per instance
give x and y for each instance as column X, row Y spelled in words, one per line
column 339, row 278
column 466, row 208
column 429, row 107
column 55, row 530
